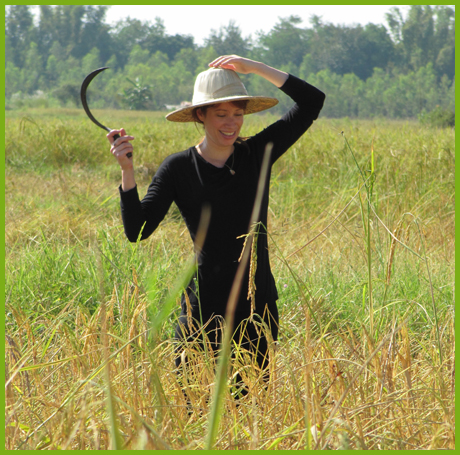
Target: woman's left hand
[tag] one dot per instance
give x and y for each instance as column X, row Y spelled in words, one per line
column 235, row 63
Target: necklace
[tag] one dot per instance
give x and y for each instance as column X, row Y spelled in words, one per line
column 225, row 164
column 233, row 163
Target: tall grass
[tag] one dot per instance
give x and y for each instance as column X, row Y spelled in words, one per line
column 365, row 274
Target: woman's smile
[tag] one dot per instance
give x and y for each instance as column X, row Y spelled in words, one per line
column 222, row 123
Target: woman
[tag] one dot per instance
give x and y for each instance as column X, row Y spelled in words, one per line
column 221, row 172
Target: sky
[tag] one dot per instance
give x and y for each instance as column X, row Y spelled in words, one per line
column 199, row 20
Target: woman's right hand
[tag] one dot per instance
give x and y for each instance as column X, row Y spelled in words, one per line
column 121, row 147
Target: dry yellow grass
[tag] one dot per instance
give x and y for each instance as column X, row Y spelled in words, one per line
column 343, row 390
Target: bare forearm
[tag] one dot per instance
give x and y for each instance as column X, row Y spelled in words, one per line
column 272, row 75
column 128, row 182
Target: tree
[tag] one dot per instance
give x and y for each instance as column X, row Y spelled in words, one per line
column 371, row 103
column 91, row 61
column 138, row 55
column 46, row 34
column 189, row 58
column 13, row 82
column 395, row 22
column 137, row 96
column 126, row 34
column 77, row 28
column 285, row 43
column 228, row 40
column 444, row 41
column 205, row 55
column 19, row 31
column 68, row 93
column 33, row 69
column 155, row 36
column 417, row 34
column 68, row 21
column 157, row 40
column 94, row 33
column 344, row 49
column 150, row 37
column 376, row 47
column 427, row 35
column 171, row 45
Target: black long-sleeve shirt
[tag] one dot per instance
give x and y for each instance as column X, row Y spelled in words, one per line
column 188, row 180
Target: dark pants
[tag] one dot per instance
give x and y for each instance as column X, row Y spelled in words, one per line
column 249, row 336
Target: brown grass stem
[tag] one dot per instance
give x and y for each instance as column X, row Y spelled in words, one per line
column 349, row 387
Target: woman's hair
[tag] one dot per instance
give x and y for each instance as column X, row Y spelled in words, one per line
column 240, row 104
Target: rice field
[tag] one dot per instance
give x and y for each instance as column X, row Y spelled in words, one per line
column 362, row 244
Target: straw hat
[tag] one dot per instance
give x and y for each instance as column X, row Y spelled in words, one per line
column 218, row 85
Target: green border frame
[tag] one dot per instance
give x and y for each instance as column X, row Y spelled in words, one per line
column 240, row 2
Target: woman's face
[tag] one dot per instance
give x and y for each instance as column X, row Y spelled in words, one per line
column 222, row 123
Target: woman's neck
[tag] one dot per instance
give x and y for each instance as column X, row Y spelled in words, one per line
column 217, row 156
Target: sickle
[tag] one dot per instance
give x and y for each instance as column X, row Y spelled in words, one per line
column 84, row 86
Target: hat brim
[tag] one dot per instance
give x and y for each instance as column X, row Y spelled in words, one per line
column 255, row 104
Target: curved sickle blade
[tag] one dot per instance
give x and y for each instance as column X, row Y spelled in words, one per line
column 84, row 86
column 83, row 89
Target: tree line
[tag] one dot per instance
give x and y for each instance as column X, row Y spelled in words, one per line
column 402, row 70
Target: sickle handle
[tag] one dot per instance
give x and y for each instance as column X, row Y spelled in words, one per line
column 115, row 137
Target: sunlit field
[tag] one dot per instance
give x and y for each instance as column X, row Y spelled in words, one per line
column 361, row 237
